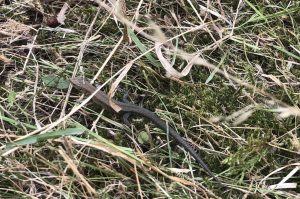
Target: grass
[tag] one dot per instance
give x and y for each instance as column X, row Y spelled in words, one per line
column 238, row 105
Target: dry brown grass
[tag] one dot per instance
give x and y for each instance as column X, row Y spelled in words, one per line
column 224, row 73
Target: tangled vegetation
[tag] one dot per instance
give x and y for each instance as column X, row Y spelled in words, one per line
column 225, row 74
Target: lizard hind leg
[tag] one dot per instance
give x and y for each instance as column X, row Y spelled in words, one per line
column 126, row 115
column 125, row 118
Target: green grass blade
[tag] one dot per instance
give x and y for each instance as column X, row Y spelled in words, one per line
column 286, row 52
column 142, row 48
column 39, row 138
column 16, row 123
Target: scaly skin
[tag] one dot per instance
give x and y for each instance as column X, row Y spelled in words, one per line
column 102, row 99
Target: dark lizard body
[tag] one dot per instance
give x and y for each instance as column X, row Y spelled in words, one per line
column 102, row 99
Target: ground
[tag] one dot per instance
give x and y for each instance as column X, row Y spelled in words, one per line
column 224, row 74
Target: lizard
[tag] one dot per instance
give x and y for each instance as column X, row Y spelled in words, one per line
column 103, row 100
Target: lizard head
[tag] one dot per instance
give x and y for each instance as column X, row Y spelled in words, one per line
column 77, row 81
column 82, row 84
